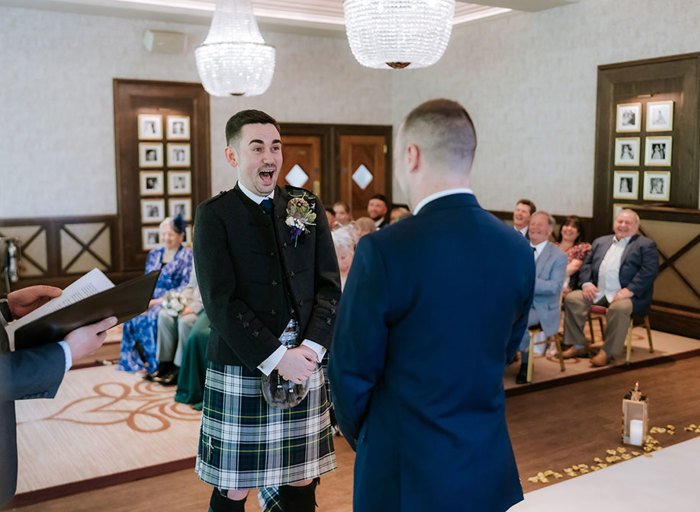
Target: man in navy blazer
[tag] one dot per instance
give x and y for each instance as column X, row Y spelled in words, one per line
column 550, row 272
column 433, row 308
column 619, row 273
column 35, row 372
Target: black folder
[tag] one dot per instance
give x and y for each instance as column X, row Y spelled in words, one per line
column 124, row 301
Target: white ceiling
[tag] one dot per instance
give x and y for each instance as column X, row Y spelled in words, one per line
column 301, row 15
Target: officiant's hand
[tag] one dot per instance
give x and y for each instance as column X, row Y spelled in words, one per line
column 26, row 300
column 297, row 364
column 85, row 340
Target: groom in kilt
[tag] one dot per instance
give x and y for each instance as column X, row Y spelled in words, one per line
column 269, row 281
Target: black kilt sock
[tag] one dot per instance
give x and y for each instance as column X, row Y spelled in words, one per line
column 220, row 503
column 299, row 499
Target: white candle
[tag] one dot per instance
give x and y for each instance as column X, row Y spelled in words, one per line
column 636, row 432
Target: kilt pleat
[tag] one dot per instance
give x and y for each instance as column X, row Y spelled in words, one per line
column 245, row 444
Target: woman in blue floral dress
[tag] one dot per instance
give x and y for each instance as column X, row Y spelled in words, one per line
column 138, row 350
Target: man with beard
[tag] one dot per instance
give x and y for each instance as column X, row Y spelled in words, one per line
column 377, row 208
column 268, row 277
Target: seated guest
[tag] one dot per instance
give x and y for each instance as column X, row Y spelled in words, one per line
column 570, row 240
column 364, row 226
column 190, row 382
column 521, row 215
column 330, row 215
column 550, row 270
column 377, row 208
column 173, row 333
column 342, row 214
column 399, row 212
column 138, row 350
column 618, row 273
column 344, row 250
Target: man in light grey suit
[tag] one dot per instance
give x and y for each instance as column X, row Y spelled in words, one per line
column 550, row 272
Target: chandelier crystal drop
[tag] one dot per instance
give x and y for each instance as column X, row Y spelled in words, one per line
column 398, row 33
column 234, row 60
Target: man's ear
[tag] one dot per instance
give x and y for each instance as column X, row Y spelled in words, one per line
column 231, row 157
column 413, row 157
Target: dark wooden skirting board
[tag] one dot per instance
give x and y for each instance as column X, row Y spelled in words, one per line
column 29, row 498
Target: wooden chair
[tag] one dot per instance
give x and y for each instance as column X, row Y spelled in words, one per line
column 598, row 313
column 531, row 359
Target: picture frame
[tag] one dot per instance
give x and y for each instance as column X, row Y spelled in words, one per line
column 151, row 183
column 657, row 186
column 629, row 117
column 150, row 238
column 659, row 116
column 179, row 183
column 627, row 151
column 150, row 126
column 183, row 206
column 625, row 184
column 616, row 209
column 150, row 155
column 178, row 155
column 187, row 239
column 152, row 210
column 657, row 151
column 178, row 128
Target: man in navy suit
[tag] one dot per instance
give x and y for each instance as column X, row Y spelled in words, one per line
column 433, row 308
column 550, row 272
column 35, row 372
column 619, row 273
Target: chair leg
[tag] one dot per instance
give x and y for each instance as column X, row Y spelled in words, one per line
column 561, row 358
column 602, row 328
column 531, row 358
column 648, row 326
column 590, row 328
column 629, row 342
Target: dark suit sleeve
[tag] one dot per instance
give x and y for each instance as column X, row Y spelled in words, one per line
column 326, row 283
column 31, row 373
column 217, row 285
column 648, row 268
column 520, row 324
column 359, row 348
column 585, row 273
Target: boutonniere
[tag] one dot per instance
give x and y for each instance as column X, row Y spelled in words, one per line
column 300, row 215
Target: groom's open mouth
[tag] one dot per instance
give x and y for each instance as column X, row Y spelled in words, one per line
column 267, row 176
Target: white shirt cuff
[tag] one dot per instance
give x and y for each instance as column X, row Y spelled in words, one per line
column 272, row 361
column 67, row 353
column 319, row 349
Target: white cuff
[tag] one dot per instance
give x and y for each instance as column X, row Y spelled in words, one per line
column 272, row 361
column 319, row 349
column 67, row 352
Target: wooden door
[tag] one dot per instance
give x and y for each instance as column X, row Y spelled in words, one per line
column 364, row 157
column 301, row 165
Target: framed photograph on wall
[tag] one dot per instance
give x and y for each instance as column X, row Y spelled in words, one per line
column 627, row 151
column 658, row 151
column 657, row 185
column 178, row 155
column 150, row 238
column 150, row 126
column 179, row 183
column 180, row 206
column 152, row 210
column 660, row 116
column 626, row 184
column 151, row 183
column 187, row 239
column 629, row 117
column 150, row 155
column 178, row 128
column 617, row 208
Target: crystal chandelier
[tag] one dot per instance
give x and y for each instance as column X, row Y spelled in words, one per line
column 234, row 59
column 398, row 33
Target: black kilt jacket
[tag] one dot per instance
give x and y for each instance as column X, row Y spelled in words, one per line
column 253, row 278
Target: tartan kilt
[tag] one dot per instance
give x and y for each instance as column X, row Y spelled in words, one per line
column 245, row 444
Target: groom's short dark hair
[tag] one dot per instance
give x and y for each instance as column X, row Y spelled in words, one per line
column 244, row 117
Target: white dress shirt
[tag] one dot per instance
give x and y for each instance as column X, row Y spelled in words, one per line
column 539, row 248
column 438, row 195
column 273, row 360
column 609, row 271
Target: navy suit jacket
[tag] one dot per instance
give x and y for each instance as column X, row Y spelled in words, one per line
column 30, row 373
column 638, row 268
column 433, row 308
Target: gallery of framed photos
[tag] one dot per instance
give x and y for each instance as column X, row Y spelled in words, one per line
column 163, row 169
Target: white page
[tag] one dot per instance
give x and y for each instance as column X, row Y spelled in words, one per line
column 90, row 284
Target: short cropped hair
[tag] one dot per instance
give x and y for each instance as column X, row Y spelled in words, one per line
column 345, row 205
column 529, row 203
column 381, row 197
column 443, row 129
column 550, row 219
column 244, row 117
